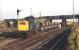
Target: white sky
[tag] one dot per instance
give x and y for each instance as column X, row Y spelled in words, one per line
column 47, row 7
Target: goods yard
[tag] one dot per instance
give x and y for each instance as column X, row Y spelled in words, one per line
column 33, row 42
column 30, row 33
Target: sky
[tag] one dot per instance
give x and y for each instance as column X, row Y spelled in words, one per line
column 46, row 7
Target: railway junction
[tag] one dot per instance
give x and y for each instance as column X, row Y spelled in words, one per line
column 54, row 39
column 30, row 33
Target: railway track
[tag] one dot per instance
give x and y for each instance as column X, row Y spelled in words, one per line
column 22, row 44
column 5, row 41
column 44, row 41
column 30, row 42
column 11, row 44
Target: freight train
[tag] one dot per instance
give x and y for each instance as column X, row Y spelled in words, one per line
column 19, row 28
column 27, row 27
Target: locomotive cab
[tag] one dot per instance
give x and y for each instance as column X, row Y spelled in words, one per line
column 26, row 27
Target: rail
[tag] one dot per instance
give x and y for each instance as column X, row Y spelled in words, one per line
column 57, row 43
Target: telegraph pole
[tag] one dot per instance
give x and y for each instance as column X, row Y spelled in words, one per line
column 73, row 12
column 30, row 11
column 40, row 14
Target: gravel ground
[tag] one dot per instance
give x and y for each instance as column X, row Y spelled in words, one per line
column 73, row 39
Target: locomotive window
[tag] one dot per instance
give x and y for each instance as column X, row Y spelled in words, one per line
column 22, row 22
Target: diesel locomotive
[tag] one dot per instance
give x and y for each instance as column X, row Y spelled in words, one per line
column 24, row 27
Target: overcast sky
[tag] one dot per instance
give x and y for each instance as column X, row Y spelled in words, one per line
column 46, row 7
